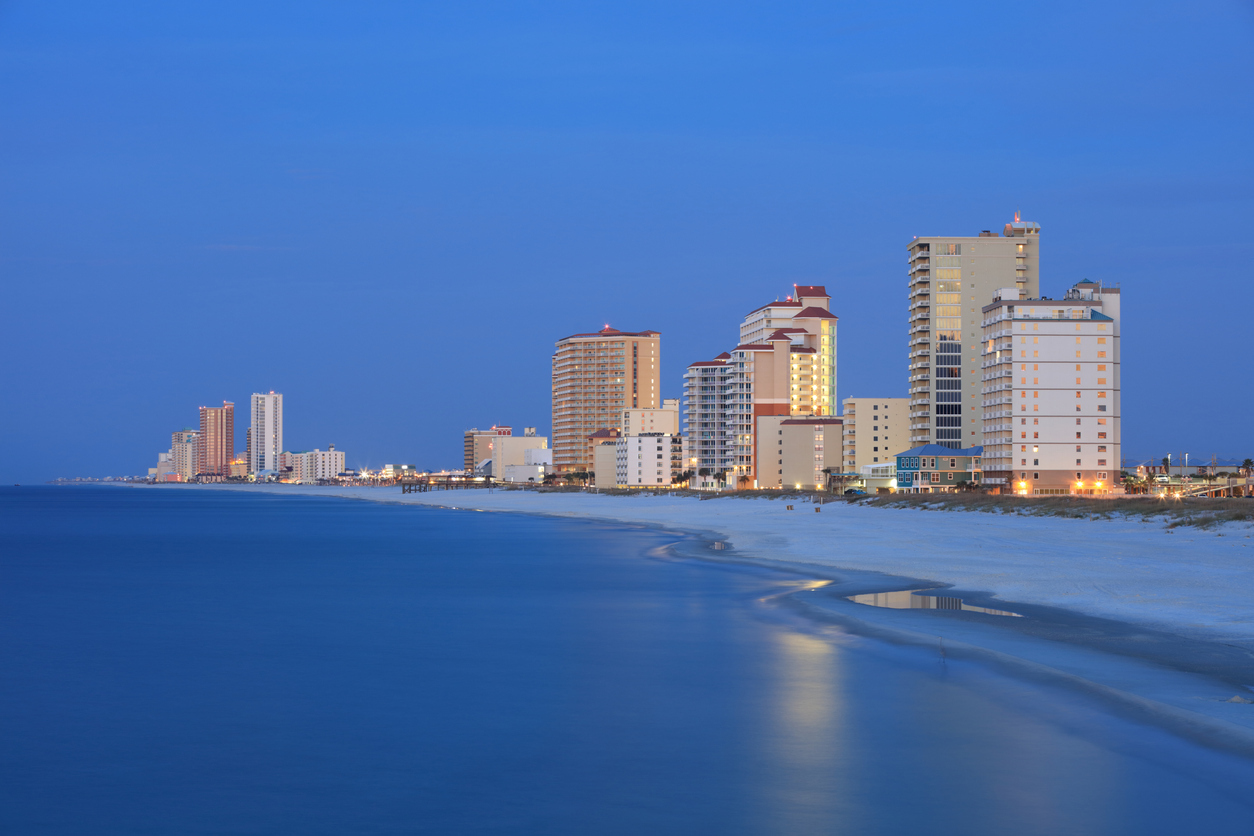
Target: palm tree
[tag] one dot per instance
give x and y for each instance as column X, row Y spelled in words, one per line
column 1248, row 466
column 744, row 480
column 827, row 478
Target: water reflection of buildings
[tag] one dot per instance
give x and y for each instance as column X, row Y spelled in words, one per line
column 905, row 599
column 804, row 778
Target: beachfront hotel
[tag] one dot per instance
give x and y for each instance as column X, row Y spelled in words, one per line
column 784, row 365
column 595, row 378
column 215, row 446
column 1051, row 392
column 950, row 280
column 265, row 434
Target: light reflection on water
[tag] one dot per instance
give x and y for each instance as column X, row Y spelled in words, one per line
column 806, row 746
column 906, row 599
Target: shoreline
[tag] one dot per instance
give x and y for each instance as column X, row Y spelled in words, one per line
column 1141, row 671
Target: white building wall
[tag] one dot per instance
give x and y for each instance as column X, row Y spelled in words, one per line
column 647, row 460
column 664, row 419
column 1051, row 395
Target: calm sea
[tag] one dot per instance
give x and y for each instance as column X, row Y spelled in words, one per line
column 195, row 661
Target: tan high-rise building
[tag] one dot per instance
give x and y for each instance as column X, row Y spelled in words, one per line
column 875, row 431
column 1051, row 399
column 183, row 449
column 215, row 448
column 477, row 446
column 596, row 377
column 950, row 281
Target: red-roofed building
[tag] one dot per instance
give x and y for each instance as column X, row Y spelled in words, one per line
column 784, row 366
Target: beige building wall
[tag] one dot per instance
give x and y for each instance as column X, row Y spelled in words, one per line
column 950, row 280
column 183, row 452
column 595, row 378
column 793, row 452
column 477, row 445
column 875, row 430
column 605, row 464
column 1051, row 399
column 509, row 451
column 664, row 419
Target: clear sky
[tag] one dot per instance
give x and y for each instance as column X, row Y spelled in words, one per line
column 390, row 211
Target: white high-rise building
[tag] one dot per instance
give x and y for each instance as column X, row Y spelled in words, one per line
column 1051, row 392
column 265, row 435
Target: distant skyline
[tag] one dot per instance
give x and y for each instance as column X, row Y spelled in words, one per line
column 390, row 213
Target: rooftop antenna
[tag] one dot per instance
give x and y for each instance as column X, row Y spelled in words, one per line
column 1016, row 216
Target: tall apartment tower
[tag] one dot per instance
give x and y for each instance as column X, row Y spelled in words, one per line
column 265, row 436
column 1051, row 392
column 595, row 378
column 183, row 446
column 784, row 365
column 216, row 445
column 950, row 281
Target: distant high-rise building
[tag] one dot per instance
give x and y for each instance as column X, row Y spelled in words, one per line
column 265, row 435
column 216, row 443
column 1051, row 399
column 950, row 281
column 595, row 378
column 183, row 449
column 477, row 445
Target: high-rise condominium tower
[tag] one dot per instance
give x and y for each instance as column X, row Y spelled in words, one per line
column 265, row 436
column 950, row 281
column 183, row 444
column 216, row 445
column 1052, row 391
column 596, row 377
column 785, row 364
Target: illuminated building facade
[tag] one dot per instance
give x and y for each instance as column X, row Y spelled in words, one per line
column 596, row 378
column 215, row 446
column 1051, row 392
column 785, row 365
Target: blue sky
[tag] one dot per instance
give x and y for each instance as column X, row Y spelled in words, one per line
column 390, row 211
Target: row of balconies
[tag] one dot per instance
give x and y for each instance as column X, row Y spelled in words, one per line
column 915, row 377
column 921, row 328
column 914, row 390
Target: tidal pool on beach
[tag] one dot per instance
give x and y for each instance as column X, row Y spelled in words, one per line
column 200, row 661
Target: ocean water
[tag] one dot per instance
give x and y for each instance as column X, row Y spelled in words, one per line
column 194, row 661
